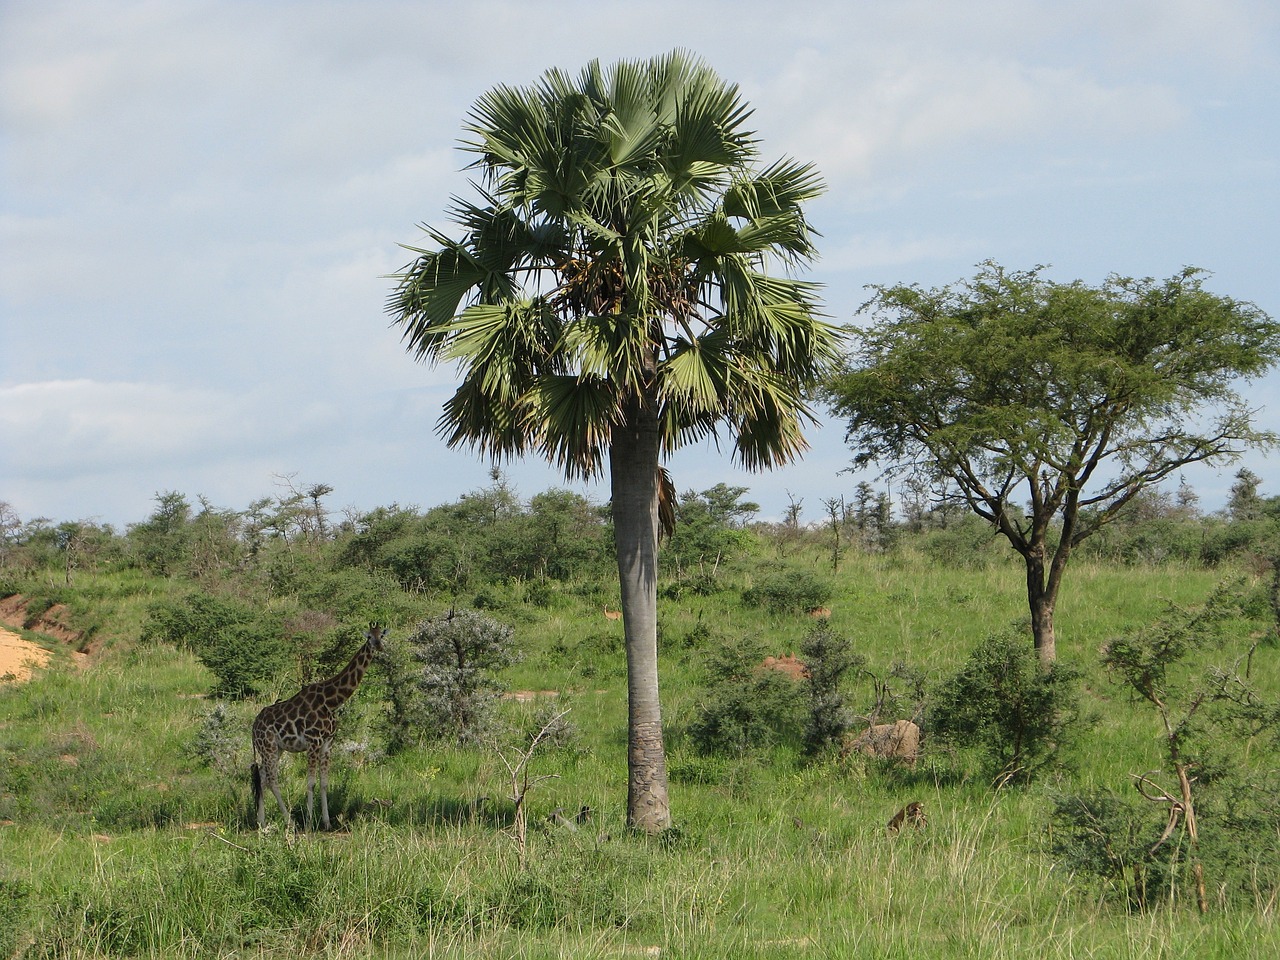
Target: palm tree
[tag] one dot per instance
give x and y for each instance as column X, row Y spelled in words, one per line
column 611, row 294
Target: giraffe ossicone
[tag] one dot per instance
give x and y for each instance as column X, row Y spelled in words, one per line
column 305, row 723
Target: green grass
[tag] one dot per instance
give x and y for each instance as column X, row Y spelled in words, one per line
column 119, row 841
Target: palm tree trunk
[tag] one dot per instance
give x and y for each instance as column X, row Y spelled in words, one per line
column 633, row 465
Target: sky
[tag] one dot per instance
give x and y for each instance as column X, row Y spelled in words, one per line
column 200, row 203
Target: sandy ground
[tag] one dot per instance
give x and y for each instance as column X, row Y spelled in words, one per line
column 18, row 656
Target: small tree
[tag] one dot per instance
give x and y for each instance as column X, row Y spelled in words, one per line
column 522, row 781
column 455, row 691
column 828, row 658
column 1193, row 703
column 837, row 513
column 1000, row 701
column 1010, row 389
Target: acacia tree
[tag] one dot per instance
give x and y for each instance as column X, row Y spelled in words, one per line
column 623, row 287
column 1046, row 407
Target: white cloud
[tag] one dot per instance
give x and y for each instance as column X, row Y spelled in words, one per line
column 77, row 425
column 862, row 254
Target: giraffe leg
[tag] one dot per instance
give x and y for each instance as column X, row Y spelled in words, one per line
column 269, row 771
column 311, row 788
column 324, row 786
column 256, row 774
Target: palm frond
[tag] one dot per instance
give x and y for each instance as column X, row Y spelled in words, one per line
column 574, row 418
column 620, row 248
column 493, row 427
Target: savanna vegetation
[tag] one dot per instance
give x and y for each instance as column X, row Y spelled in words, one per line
column 480, row 775
column 857, row 753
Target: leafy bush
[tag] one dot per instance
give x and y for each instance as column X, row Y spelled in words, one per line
column 1210, row 718
column 244, row 651
column 357, row 596
column 1001, row 702
column 442, row 682
column 1126, row 843
column 698, row 583
column 967, row 542
column 788, row 591
column 219, row 740
column 828, row 657
column 1101, row 835
column 745, row 706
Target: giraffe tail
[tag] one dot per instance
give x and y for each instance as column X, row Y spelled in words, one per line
column 255, row 778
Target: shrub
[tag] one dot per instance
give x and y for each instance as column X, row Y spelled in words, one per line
column 788, row 591
column 243, row 651
column 442, row 680
column 1018, row 715
column 745, row 706
column 1210, row 718
column 697, row 583
column 218, row 741
column 1100, row 835
column 968, row 542
column 828, row 657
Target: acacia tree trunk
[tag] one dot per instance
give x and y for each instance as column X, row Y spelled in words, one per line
column 1042, row 599
column 1193, row 831
column 1041, row 612
column 633, row 466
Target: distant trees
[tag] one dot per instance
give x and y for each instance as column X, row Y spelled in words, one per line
column 162, row 539
column 1046, row 408
column 710, row 528
column 484, row 536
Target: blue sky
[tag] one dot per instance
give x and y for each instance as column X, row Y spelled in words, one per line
column 199, row 201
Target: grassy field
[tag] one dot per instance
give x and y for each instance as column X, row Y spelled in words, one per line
column 119, row 837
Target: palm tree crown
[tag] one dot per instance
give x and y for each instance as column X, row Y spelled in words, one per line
column 620, row 254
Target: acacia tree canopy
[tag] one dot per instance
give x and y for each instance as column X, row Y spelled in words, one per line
column 1046, row 407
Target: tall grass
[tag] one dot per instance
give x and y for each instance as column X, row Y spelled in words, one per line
column 118, row 840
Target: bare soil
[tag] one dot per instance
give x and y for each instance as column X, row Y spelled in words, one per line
column 18, row 657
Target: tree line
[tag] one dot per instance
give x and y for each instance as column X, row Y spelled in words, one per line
column 493, row 535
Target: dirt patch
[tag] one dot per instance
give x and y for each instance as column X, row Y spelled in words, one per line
column 790, row 664
column 525, row 696
column 18, row 657
column 52, row 623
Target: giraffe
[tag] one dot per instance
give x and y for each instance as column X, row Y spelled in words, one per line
column 305, row 723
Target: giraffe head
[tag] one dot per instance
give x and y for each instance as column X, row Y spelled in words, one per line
column 376, row 636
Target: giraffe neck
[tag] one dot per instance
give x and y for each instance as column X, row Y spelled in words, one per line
column 340, row 688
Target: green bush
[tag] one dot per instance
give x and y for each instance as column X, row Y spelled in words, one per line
column 746, row 707
column 1016, row 714
column 1101, row 835
column 788, row 591
column 244, row 651
column 443, row 679
column 968, row 542
column 828, row 657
